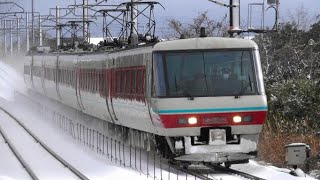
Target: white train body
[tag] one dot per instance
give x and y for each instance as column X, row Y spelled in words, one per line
column 203, row 96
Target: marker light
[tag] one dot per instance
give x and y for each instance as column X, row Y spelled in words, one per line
column 192, row 120
column 247, row 119
column 237, row 119
column 183, row 121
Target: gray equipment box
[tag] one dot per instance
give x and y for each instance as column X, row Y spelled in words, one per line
column 297, row 154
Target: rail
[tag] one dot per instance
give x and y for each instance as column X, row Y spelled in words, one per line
column 233, row 171
column 50, row 151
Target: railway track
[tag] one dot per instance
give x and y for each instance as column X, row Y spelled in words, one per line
column 210, row 171
column 33, row 172
column 232, row 171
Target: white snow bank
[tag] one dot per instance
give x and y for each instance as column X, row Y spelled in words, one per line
column 10, row 81
column 266, row 172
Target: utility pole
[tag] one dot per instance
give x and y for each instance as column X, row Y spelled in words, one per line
column 32, row 22
column 27, row 31
column 58, row 26
column 134, row 23
column 18, row 34
column 85, row 21
column 11, row 36
column 234, row 13
column 40, row 31
column 234, row 8
column 5, row 36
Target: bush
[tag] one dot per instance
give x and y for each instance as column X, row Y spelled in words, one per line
column 294, row 107
column 272, row 146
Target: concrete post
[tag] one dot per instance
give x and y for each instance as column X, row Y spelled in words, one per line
column 18, row 35
column 57, row 26
column 5, row 36
column 27, row 32
column 11, row 37
column 40, row 31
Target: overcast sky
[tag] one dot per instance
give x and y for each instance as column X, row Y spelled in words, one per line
column 185, row 10
column 189, row 8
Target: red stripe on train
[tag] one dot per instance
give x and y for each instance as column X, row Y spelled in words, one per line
column 213, row 119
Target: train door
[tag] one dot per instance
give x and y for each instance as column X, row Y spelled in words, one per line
column 79, row 84
column 110, row 82
column 148, row 58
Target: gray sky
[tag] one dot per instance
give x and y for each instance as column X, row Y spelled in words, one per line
column 185, row 10
column 190, row 8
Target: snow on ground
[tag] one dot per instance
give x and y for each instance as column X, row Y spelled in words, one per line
column 44, row 165
column 266, row 172
column 92, row 164
column 10, row 167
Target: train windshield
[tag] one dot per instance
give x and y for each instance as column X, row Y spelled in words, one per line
column 202, row 74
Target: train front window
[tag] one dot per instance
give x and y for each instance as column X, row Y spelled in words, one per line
column 201, row 74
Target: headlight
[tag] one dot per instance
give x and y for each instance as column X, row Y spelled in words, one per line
column 186, row 121
column 192, row 120
column 237, row 119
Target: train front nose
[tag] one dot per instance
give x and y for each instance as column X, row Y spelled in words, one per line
column 214, row 134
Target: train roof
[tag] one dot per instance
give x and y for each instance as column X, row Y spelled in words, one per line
column 205, row 43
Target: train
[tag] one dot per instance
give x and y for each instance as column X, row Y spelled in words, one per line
column 198, row 99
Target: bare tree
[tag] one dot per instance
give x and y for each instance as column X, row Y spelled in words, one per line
column 192, row 29
column 301, row 18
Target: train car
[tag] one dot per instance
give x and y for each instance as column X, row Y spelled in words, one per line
column 199, row 99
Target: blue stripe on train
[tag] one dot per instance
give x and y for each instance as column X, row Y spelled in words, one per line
column 173, row 111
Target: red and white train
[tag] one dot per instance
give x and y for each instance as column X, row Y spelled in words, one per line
column 201, row 99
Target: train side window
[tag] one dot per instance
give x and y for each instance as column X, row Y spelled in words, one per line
column 94, row 77
column 139, row 82
column 90, row 80
column 123, row 81
column 80, row 78
column 68, row 77
column 118, row 81
column 84, row 75
column 61, row 76
column 73, row 79
column 96, row 80
column 133, row 82
column 87, row 80
column 64, row 76
column 143, row 81
column 128, row 82
column 101, row 79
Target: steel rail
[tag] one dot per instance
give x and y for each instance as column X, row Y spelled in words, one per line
column 24, row 164
column 55, row 155
column 232, row 171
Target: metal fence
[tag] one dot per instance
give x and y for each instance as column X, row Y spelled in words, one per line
column 148, row 163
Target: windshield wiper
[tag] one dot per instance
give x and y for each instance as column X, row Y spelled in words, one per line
column 182, row 89
column 243, row 89
column 185, row 92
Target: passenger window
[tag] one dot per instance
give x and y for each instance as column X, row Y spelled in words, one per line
column 139, row 82
column 128, row 82
column 118, row 81
column 133, row 82
column 123, row 81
